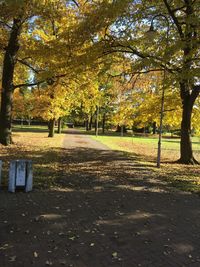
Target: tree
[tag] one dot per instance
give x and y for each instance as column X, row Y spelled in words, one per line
column 23, row 105
column 52, row 102
column 181, row 57
column 74, row 26
column 7, row 80
column 15, row 17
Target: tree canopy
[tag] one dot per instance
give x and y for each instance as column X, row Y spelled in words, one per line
column 74, row 56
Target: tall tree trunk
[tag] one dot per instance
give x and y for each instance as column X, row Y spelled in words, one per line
column 122, row 130
column 51, row 126
column 118, row 129
column 97, row 121
column 87, row 125
column 189, row 92
column 154, row 127
column 90, row 123
column 103, row 123
column 29, row 121
column 7, row 83
column 59, row 125
column 188, row 99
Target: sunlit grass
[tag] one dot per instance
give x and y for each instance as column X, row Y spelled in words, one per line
column 184, row 177
column 147, row 146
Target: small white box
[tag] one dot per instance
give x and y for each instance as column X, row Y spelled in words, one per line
column 20, row 175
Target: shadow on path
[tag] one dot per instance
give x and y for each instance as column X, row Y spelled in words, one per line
column 105, row 210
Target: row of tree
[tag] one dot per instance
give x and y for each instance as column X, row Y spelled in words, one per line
column 71, row 55
column 117, row 101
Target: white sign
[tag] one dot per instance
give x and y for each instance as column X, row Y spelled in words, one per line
column 20, row 175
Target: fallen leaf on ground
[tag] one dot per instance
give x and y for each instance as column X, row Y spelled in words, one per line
column 49, row 263
column 35, row 254
column 13, row 258
column 114, row 254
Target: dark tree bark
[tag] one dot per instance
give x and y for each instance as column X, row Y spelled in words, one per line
column 59, row 125
column 121, row 129
column 154, row 127
column 51, row 126
column 95, row 126
column 118, row 130
column 7, row 83
column 103, row 123
column 87, row 125
column 188, row 100
column 90, row 123
column 97, row 121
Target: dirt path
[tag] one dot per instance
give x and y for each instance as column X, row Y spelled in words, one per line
column 107, row 212
column 76, row 139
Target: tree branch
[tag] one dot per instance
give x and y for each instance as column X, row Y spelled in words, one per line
column 195, row 93
column 28, row 65
column 5, row 24
column 176, row 22
column 168, row 110
column 28, row 84
column 178, row 9
column 129, row 49
column 76, row 3
column 50, row 81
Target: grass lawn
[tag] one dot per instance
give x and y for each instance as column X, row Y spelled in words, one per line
column 180, row 176
column 30, row 128
column 147, row 146
column 46, row 154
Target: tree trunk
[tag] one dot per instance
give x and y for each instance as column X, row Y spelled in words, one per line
column 90, row 123
column 87, row 125
column 51, row 126
column 59, row 125
column 118, row 130
column 188, row 99
column 97, row 121
column 103, row 123
column 188, row 91
column 122, row 130
column 7, row 83
column 154, row 127
column 95, row 126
